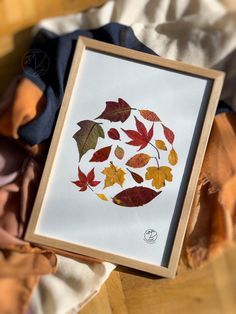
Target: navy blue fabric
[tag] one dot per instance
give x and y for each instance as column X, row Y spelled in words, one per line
column 223, row 107
column 59, row 51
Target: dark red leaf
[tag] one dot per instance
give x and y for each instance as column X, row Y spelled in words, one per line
column 114, row 134
column 82, row 176
column 116, row 111
column 85, row 181
column 169, row 135
column 101, row 155
column 141, row 137
column 137, row 178
column 90, row 176
column 150, row 133
column 141, row 127
column 136, row 196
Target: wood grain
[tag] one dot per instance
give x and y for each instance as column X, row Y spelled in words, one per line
column 209, row 290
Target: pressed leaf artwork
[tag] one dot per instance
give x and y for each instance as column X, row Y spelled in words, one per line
column 135, row 196
column 88, row 135
column 102, row 154
column 119, row 152
column 160, row 145
column 138, row 160
column 86, row 181
column 116, row 111
column 149, row 115
column 141, row 137
column 159, row 176
column 139, row 176
column 173, row 157
column 113, row 134
column 102, row 196
column 113, row 175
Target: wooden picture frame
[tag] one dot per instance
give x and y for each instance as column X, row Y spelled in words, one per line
column 130, row 95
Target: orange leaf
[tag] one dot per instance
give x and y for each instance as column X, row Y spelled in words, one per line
column 160, row 145
column 149, row 115
column 138, row 161
column 159, row 176
column 173, row 157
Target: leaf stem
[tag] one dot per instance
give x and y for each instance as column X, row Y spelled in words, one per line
column 158, row 153
column 157, row 162
column 90, row 187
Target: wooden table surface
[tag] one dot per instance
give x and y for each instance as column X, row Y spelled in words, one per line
column 210, row 290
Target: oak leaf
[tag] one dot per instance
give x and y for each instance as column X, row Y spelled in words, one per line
column 159, row 176
column 113, row 175
column 135, row 196
column 141, row 137
column 119, row 152
column 138, row 160
column 160, row 145
column 116, row 111
column 173, row 157
column 101, row 155
column 149, row 115
column 88, row 135
column 86, row 180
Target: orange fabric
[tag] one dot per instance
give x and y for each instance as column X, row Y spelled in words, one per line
column 212, row 224
column 20, row 268
column 27, row 103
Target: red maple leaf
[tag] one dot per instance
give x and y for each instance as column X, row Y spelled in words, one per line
column 141, row 137
column 85, row 181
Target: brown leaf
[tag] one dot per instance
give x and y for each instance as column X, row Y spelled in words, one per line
column 116, row 111
column 138, row 160
column 173, row 157
column 136, row 196
column 137, row 178
column 101, row 155
column 160, row 144
column 114, row 134
column 149, row 115
column 87, row 137
column 119, row 152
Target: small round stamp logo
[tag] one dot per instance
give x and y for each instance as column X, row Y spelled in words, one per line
column 35, row 62
column 150, row 236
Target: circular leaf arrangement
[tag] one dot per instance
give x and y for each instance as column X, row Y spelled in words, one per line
column 138, row 159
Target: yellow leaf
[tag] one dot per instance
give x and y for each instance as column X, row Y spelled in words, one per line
column 160, row 145
column 158, row 176
column 102, row 197
column 113, row 175
column 173, row 157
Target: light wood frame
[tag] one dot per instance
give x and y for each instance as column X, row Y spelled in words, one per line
column 217, row 79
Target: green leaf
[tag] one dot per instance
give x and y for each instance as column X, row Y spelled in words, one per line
column 88, row 135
